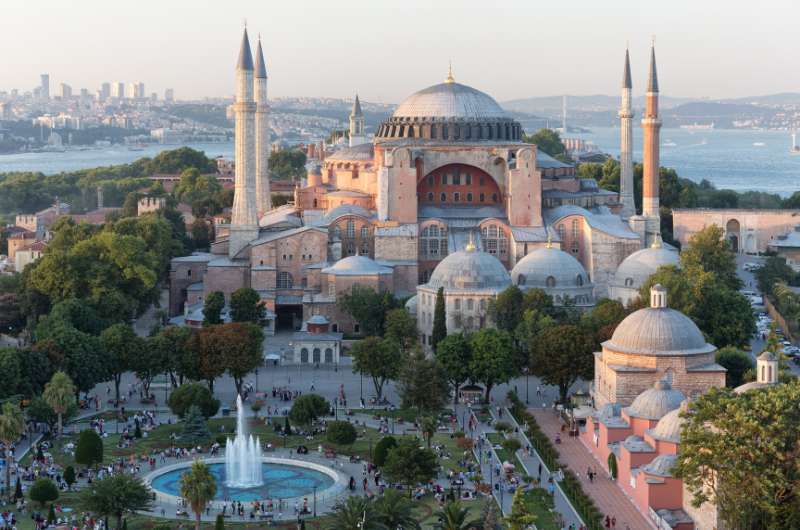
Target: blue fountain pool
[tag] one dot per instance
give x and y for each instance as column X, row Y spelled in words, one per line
column 280, row 482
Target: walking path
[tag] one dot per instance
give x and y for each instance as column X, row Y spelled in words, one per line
column 607, row 495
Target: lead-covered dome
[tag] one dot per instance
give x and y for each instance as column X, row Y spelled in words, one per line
column 654, row 403
column 669, row 426
column 634, row 270
column 658, row 330
column 356, row 266
column 559, row 274
column 449, row 100
column 470, row 270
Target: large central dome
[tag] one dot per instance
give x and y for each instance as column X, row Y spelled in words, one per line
column 450, row 100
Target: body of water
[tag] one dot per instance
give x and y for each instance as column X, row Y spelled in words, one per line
column 735, row 159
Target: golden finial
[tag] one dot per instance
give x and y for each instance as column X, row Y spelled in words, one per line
column 656, row 241
column 470, row 245
column 450, row 78
column 549, row 239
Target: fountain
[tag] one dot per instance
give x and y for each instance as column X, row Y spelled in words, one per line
column 243, row 455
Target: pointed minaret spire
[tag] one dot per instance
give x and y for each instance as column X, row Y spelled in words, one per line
column 261, row 68
column 626, row 74
column 652, row 82
column 245, row 61
column 356, row 107
column 357, row 124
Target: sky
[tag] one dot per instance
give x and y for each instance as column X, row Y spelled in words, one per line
column 385, row 50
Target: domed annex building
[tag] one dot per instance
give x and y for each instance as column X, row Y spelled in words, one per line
column 449, row 166
column 634, row 271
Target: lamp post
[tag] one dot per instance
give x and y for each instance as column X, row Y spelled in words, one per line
column 315, row 500
column 256, row 380
column 361, row 375
column 526, row 370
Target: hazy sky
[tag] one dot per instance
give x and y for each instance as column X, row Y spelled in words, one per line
column 386, row 50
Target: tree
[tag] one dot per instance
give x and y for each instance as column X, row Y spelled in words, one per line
column 549, row 142
column 454, row 517
column 178, row 359
column 396, row 511
column 506, row 310
column 739, row 453
column 40, row 411
column 12, row 426
column 737, row 363
column 382, row 448
column 115, row 496
column 439, row 320
column 340, row 432
column 202, row 234
column 308, row 408
column 77, row 354
column 11, row 370
column 368, row 308
column 198, row 487
column 356, row 513
column 491, row 519
column 219, row 522
column 36, row 369
column 512, row 445
column 422, row 384
column 210, row 347
column 454, row 353
column 520, row 517
column 195, row 427
column 89, row 449
column 212, row 308
column 710, row 252
column 492, row 358
column 122, row 346
column 401, row 330
column 373, row 357
column 246, row 306
column 59, row 393
column 562, row 356
column 151, row 360
column 193, row 394
column 287, row 164
column 612, row 465
column 43, row 491
column 408, row 464
column 69, row 476
column 244, row 350
column 427, row 427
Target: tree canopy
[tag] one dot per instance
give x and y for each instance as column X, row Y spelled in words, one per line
column 549, row 141
column 246, row 306
column 492, row 358
column 374, row 357
column 368, row 308
column 116, row 496
column 562, row 355
column 308, row 408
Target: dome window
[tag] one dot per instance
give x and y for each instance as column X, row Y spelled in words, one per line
column 521, row 279
column 628, row 282
column 579, row 280
column 550, row 281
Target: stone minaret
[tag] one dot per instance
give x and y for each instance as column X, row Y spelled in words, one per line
column 626, row 144
column 244, row 218
column 356, row 124
column 651, row 125
column 263, row 198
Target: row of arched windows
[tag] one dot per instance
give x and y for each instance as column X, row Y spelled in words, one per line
column 457, row 196
column 495, row 241
column 506, row 130
column 433, row 242
column 316, row 355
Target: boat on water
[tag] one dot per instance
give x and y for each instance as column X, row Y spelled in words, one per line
column 795, row 149
column 669, row 143
column 759, row 144
column 698, row 126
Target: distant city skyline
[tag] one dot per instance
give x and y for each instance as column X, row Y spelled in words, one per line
column 385, row 51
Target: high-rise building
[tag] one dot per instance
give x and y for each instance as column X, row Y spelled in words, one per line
column 105, row 91
column 66, row 91
column 118, row 89
column 130, row 91
column 140, row 93
column 44, row 86
column 169, row 95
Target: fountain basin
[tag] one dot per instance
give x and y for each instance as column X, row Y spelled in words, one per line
column 284, row 479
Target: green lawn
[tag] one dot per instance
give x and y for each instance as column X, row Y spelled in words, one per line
column 541, row 504
column 495, row 438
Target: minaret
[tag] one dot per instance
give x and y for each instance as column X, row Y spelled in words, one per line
column 626, row 144
column 651, row 126
column 244, row 217
column 356, row 124
column 263, row 198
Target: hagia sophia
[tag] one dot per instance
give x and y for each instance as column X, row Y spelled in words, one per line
column 445, row 194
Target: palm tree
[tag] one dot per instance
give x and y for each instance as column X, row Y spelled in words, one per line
column 454, row 517
column 356, row 513
column 198, row 487
column 59, row 393
column 396, row 512
column 12, row 425
column 428, row 426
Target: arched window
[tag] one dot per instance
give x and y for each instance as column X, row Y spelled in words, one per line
column 469, row 197
column 457, row 304
column 579, row 280
column 521, row 279
column 456, row 197
column 304, row 355
column 328, row 355
column 562, row 232
column 494, row 197
column 628, row 282
column 430, row 196
column 470, row 322
column 443, row 197
column 482, row 197
column 351, row 228
column 470, row 304
column 337, row 232
column 433, row 242
column 317, row 354
column 495, row 241
column 285, row 280
column 550, row 281
column 364, row 232
column 482, row 304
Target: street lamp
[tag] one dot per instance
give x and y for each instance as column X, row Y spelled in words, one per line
column 526, row 371
column 315, row 500
column 256, row 380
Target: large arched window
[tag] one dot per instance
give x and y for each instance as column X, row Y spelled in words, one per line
column 495, row 241
column 304, row 355
column 328, row 355
column 364, row 232
column 351, row 228
column 285, row 280
column 317, row 355
column 521, row 279
column 433, row 242
column 579, row 280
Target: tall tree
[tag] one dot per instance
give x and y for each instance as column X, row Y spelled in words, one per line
column 308, row 408
column 209, row 347
column 454, row 517
column 740, row 453
column 439, row 320
column 549, row 142
column 356, row 512
column 408, row 464
column 116, row 495
column 506, row 310
column 179, row 361
column 375, row 358
column 401, row 330
column 422, row 384
column 368, row 308
column 212, row 308
column 79, row 355
column 246, row 306
column 121, row 346
column 454, row 354
column 151, row 360
column 244, row 352
column 89, row 449
column 562, row 355
column 737, row 363
column 11, row 368
column 396, row 511
column 710, row 252
column 198, row 487
column 492, row 358
column 59, row 393
column 12, row 426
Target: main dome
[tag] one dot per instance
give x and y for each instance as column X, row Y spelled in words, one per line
column 470, row 270
column 450, row 100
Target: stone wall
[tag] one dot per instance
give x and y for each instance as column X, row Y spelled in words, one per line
column 756, row 228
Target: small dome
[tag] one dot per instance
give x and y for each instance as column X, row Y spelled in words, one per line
column 658, row 330
column 654, row 403
column 411, row 306
column 549, row 267
column 634, row 270
column 470, row 270
column 356, row 266
column 661, row 466
column 449, row 100
column 669, row 426
column 752, row 385
column 317, row 319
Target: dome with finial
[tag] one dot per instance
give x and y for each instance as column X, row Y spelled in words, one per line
column 470, row 270
column 669, row 426
column 635, row 270
column 654, row 403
